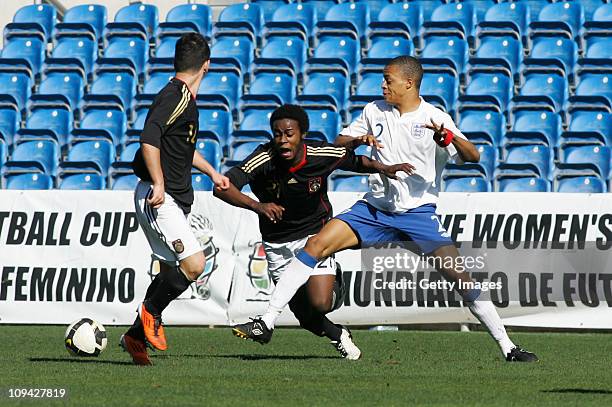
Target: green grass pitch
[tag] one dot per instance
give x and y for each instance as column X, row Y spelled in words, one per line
column 209, row 367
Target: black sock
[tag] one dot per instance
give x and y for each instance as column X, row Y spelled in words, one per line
column 332, row 331
column 136, row 331
column 172, row 283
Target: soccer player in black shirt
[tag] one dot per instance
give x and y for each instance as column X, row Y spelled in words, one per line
column 164, row 195
column 289, row 177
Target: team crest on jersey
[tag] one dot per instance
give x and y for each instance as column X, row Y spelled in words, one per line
column 178, row 245
column 314, row 184
column 418, row 130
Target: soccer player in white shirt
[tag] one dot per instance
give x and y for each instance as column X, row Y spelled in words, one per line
column 401, row 128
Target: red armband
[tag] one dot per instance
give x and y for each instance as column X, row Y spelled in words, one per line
column 448, row 138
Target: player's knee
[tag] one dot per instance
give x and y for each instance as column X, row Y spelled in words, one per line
column 316, row 247
column 321, row 305
column 193, row 266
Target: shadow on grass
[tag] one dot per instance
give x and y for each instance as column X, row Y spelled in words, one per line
column 75, row 360
column 249, row 357
column 578, row 391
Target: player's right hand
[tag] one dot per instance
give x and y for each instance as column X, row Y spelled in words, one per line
column 270, row 211
column 391, row 170
column 157, row 197
column 368, row 140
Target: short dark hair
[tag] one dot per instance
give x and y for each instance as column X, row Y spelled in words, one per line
column 410, row 68
column 293, row 112
column 191, row 52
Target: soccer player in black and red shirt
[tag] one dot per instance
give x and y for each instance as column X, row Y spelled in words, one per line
column 164, row 195
column 289, row 177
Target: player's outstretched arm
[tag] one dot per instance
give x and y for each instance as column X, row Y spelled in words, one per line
column 220, row 181
column 363, row 164
column 354, row 142
column 444, row 137
column 235, row 197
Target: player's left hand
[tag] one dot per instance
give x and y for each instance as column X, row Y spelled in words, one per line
column 221, row 182
column 440, row 136
column 390, row 170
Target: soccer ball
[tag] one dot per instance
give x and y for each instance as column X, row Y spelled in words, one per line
column 85, row 337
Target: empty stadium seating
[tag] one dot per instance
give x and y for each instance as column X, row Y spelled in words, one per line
column 528, row 81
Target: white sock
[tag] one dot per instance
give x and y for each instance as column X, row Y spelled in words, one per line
column 296, row 275
column 488, row 316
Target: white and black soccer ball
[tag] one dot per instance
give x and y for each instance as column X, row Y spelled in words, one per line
column 85, row 337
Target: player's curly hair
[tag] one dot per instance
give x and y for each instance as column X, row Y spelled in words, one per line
column 293, row 112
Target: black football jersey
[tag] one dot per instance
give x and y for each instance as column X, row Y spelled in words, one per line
column 172, row 126
column 301, row 189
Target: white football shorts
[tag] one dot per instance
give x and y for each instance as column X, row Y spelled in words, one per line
column 279, row 255
column 166, row 228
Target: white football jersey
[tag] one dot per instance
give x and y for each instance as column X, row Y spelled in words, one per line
column 405, row 140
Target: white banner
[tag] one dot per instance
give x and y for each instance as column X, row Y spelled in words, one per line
column 69, row 254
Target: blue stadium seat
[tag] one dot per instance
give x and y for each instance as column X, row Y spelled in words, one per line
column 488, row 158
column 505, row 48
column 325, row 124
column 598, row 46
column 535, row 6
column 61, row 86
column 602, row 13
column 300, row 16
column 386, row 47
column 125, row 182
column 166, row 47
column 440, row 88
column 450, row 50
column 241, row 18
column 141, row 116
column 100, row 153
column 127, row 51
column 596, row 155
column 482, row 125
column 567, row 15
column 493, row 86
column 326, row 87
column 269, row 7
column 427, row 7
column 16, row 88
column 93, row 15
column 186, row 17
column 102, row 123
column 272, row 87
column 598, row 85
column 128, row 153
column 45, row 152
column 211, row 151
column 550, row 86
column 599, row 122
column 29, row 181
column 113, row 87
column 9, row 123
column 538, row 124
column 221, row 88
column 146, row 15
column 354, row 17
column 201, row 182
column 580, row 185
column 243, row 150
column 350, row 183
column 240, row 49
column 338, row 50
column 538, row 155
column 153, row 85
column 480, row 7
column 453, row 17
column 466, row 184
column 83, row 181
column 256, row 119
column 398, row 19
column 369, row 85
column 216, row 122
column 25, row 52
column 291, row 49
column 3, row 152
column 562, row 49
column 375, row 7
column 501, row 16
column 523, row 184
column 321, row 6
column 73, row 53
column 57, row 120
column 36, row 17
